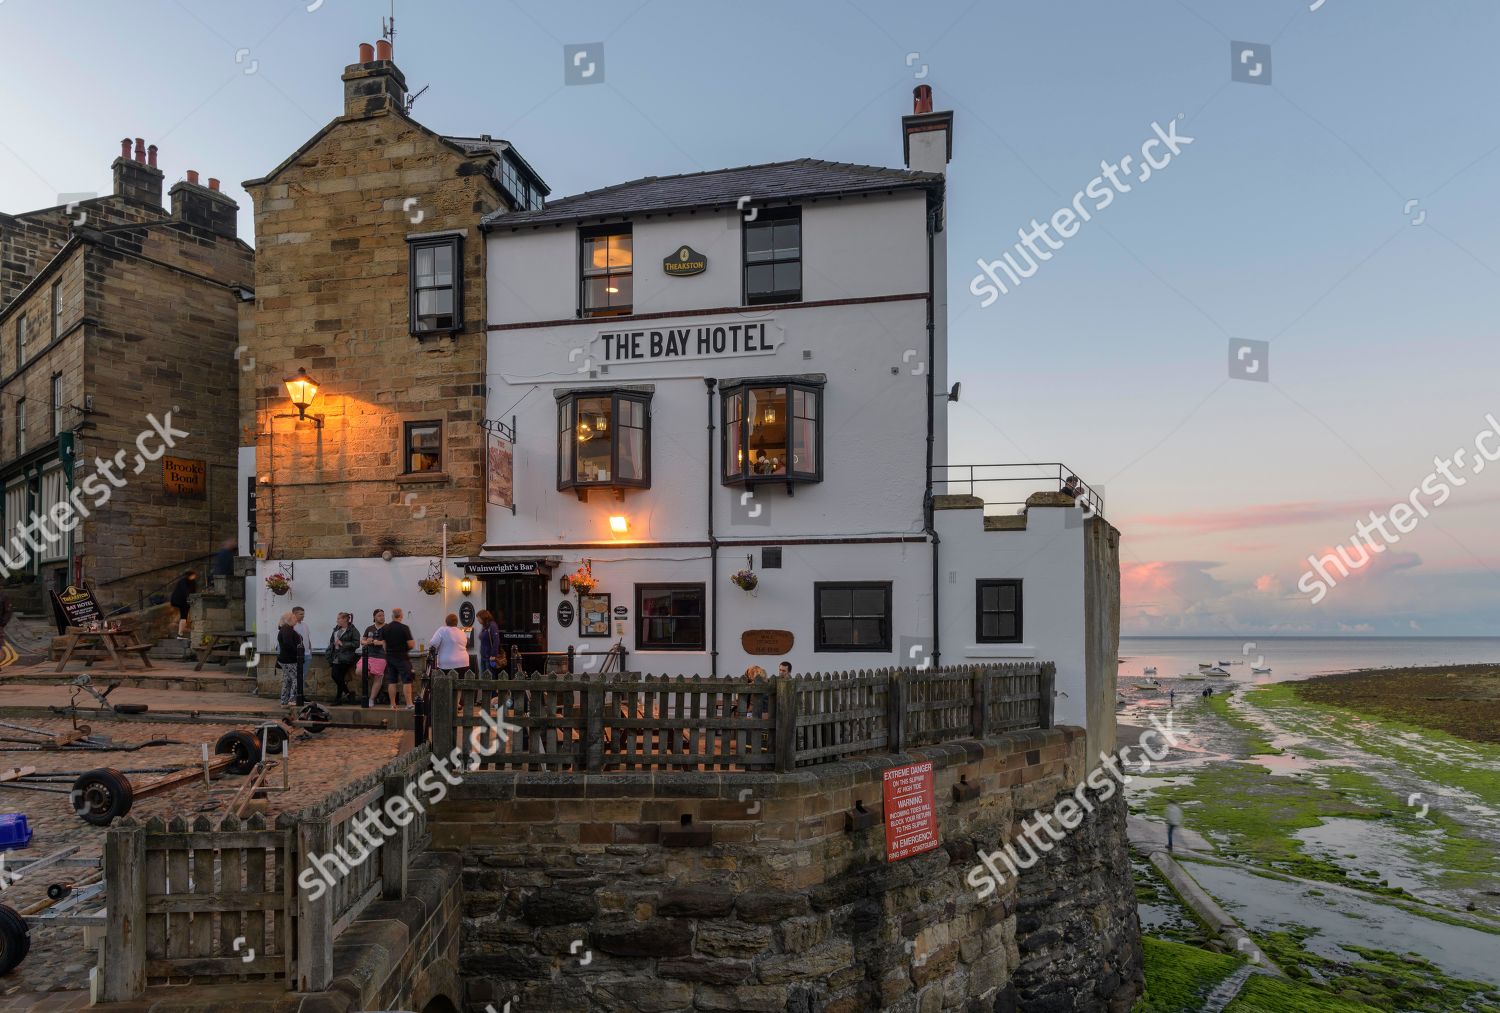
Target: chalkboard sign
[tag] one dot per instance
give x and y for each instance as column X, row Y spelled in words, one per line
column 466, row 614
column 75, row 606
column 565, row 613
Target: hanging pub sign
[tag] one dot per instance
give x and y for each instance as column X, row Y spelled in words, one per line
column 75, row 605
column 466, row 614
column 693, row 341
column 504, row 567
column 499, row 474
column 684, row 262
column 185, row 477
column 565, row 613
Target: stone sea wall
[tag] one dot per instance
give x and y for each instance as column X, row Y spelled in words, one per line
column 737, row 891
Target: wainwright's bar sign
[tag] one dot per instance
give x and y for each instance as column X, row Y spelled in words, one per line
column 695, row 341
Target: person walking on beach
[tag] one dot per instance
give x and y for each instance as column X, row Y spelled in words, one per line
column 305, row 632
column 288, row 657
column 373, row 642
column 1174, row 820
column 398, row 646
column 343, row 649
column 452, row 648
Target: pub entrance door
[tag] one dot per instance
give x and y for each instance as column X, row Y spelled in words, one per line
column 519, row 603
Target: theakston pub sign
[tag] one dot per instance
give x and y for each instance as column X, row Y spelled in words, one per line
column 693, row 341
column 684, row 262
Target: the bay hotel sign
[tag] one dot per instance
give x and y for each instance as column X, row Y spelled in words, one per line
column 693, row 341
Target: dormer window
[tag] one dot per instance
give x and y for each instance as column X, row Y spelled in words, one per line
column 603, row 439
column 773, row 431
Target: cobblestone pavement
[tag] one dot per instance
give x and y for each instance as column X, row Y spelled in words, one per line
column 58, row 959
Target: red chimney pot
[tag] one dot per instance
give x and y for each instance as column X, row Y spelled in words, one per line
column 383, row 50
column 140, row 149
column 921, row 98
column 366, row 53
column 151, row 155
column 193, row 176
column 213, row 184
column 125, row 148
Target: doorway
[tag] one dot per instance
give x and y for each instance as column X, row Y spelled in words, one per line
column 519, row 603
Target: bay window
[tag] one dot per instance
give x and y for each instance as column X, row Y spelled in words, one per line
column 773, row 431
column 603, row 439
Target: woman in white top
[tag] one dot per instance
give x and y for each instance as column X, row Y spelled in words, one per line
column 452, row 647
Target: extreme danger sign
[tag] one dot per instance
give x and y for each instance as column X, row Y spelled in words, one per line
column 910, row 811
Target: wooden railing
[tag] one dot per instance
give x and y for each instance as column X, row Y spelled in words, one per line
column 208, row 896
column 626, row 721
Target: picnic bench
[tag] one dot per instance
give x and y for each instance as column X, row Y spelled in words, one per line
column 222, row 647
column 90, row 646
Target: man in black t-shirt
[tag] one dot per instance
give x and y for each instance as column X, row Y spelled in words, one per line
column 398, row 645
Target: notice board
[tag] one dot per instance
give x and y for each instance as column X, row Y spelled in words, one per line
column 910, row 811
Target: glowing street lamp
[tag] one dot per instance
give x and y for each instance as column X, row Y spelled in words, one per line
column 302, row 389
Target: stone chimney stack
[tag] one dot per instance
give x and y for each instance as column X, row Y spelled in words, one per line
column 204, row 206
column 136, row 174
column 375, row 83
column 927, row 137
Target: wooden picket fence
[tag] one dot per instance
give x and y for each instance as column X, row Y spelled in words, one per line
column 211, row 895
column 626, row 721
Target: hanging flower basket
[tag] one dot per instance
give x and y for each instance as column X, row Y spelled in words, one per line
column 430, row 585
column 745, row 580
column 583, row 579
column 278, row 584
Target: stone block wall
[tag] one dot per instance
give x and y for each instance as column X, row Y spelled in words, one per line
column 783, row 908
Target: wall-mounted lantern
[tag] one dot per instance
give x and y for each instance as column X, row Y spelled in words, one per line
column 302, row 389
column 466, row 585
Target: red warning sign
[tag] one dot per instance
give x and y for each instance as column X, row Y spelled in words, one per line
column 910, row 811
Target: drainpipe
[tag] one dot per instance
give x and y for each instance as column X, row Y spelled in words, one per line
column 928, row 514
column 713, row 543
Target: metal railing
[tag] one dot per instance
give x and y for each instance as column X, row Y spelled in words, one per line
column 1005, row 487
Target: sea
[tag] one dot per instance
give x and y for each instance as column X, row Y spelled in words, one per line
column 1299, row 657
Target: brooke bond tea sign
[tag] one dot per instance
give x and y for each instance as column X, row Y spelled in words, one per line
column 910, row 811
column 183, row 476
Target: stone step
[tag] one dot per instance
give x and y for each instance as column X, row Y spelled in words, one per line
column 206, row 681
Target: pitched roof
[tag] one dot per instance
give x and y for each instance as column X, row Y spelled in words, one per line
column 798, row 179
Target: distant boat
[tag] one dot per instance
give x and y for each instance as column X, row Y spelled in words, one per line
column 1205, row 664
column 1260, row 671
column 1147, row 686
column 1149, row 671
column 1226, row 664
column 1192, row 676
column 1218, row 673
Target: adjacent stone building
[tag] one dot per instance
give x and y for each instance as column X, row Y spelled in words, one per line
column 115, row 311
column 370, row 277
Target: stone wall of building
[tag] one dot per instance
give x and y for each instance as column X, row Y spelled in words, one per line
column 332, row 297
column 590, row 892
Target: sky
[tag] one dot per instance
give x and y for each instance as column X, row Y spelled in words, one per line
column 1338, row 205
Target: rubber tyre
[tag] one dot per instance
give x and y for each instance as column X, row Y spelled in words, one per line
column 101, row 796
column 316, row 717
column 273, row 736
column 131, row 708
column 246, row 749
column 15, row 939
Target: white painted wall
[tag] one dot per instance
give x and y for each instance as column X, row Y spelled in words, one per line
column 1048, row 558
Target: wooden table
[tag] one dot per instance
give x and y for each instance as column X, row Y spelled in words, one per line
column 97, row 645
column 223, row 647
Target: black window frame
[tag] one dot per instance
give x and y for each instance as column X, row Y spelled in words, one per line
column 56, row 391
column 587, row 271
column 768, row 218
column 737, row 388
column 23, row 335
column 415, row 244
column 20, row 426
column 820, row 642
column 979, row 610
column 641, row 642
column 567, row 458
column 406, row 431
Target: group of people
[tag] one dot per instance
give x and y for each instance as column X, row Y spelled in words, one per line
column 382, row 654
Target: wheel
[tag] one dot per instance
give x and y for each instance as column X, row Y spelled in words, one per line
column 246, row 749
column 57, row 891
column 131, row 708
column 273, row 736
column 15, row 939
column 101, row 795
column 316, row 716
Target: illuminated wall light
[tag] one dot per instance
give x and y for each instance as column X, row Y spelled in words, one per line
column 619, row 524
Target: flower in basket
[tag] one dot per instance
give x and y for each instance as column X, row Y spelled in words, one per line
column 583, row 580
column 745, row 580
column 430, row 585
column 278, row 584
